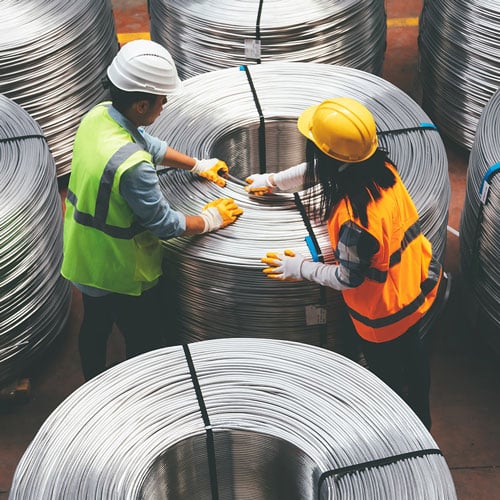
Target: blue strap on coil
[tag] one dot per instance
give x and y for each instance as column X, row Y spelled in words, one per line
column 485, row 183
column 474, row 263
column 312, row 248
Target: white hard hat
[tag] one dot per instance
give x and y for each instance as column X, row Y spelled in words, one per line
column 144, row 66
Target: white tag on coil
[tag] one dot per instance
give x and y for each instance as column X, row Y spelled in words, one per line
column 315, row 315
column 252, row 48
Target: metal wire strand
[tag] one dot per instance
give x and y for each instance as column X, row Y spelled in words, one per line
column 459, row 46
column 34, row 299
column 280, row 413
column 216, row 281
column 52, row 58
column 215, row 34
column 480, row 226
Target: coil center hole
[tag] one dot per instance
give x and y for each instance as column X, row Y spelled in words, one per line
column 249, row 465
column 242, row 147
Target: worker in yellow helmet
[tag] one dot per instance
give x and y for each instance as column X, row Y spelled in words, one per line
column 384, row 267
column 116, row 214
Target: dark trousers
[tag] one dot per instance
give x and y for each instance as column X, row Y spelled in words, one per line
column 138, row 318
column 403, row 364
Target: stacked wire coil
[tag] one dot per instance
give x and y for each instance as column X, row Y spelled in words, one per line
column 217, row 285
column 53, row 56
column 208, row 35
column 35, row 299
column 480, row 227
column 233, row 419
column 459, row 46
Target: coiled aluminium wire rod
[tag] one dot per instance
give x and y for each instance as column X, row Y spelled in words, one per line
column 34, row 298
column 459, row 46
column 217, row 284
column 233, row 419
column 52, row 58
column 209, row 35
column 480, row 227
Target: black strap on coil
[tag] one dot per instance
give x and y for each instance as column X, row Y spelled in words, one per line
column 212, row 466
column 319, row 255
column 307, row 223
column 262, row 125
column 422, row 126
column 257, row 26
column 23, row 137
column 350, row 469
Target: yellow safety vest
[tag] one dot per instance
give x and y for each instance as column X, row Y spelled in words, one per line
column 104, row 244
column 402, row 281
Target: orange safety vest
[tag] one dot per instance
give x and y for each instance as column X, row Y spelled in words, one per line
column 402, row 281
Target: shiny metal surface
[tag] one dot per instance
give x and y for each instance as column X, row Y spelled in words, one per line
column 34, row 298
column 480, row 227
column 280, row 414
column 459, row 46
column 209, row 35
column 52, row 58
column 216, row 281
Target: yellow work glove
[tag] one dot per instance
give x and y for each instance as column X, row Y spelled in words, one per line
column 283, row 266
column 220, row 213
column 212, row 169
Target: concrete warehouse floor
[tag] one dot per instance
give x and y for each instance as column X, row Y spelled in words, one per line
column 465, row 401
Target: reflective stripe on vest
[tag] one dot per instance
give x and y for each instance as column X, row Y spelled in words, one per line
column 98, row 221
column 427, row 287
column 395, row 258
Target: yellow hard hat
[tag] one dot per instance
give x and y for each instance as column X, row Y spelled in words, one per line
column 342, row 128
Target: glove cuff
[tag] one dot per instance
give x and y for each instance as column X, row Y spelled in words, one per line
column 196, row 169
column 268, row 181
column 212, row 219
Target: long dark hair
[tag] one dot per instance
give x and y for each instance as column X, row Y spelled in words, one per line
column 360, row 182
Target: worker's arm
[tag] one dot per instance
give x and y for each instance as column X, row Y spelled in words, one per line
column 212, row 169
column 176, row 159
column 289, row 180
column 140, row 188
column 354, row 254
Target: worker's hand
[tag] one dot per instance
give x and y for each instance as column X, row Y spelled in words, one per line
column 220, row 213
column 212, row 169
column 283, row 266
column 259, row 184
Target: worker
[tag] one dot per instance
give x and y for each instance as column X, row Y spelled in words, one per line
column 385, row 268
column 115, row 213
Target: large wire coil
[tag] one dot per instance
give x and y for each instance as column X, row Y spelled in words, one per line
column 480, row 226
column 233, row 419
column 34, row 299
column 217, row 285
column 53, row 56
column 214, row 34
column 459, row 47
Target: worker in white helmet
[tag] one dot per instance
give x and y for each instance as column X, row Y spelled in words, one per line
column 384, row 267
column 115, row 213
